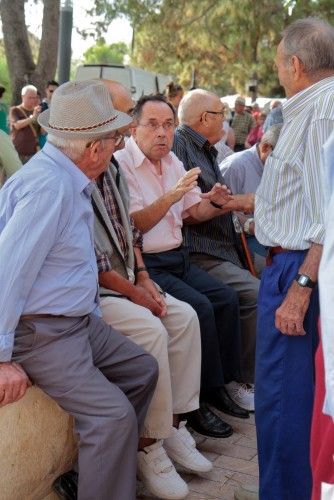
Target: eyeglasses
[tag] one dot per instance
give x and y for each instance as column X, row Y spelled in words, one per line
column 153, row 126
column 117, row 138
column 221, row 113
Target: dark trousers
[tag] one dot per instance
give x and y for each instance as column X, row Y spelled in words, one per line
column 217, row 308
column 105, row 382
column 284, row 387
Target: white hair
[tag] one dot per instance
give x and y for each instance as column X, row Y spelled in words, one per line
column 272, row 135
column 73, row 148
column 312, row 41
column 26, row 89
column 193, row 104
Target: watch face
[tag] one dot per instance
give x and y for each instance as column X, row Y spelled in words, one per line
column 303, row 280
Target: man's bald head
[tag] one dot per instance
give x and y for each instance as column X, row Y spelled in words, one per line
column 120, row 96
column 193, row 104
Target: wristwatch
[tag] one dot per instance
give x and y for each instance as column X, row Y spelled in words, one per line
column 305, row 281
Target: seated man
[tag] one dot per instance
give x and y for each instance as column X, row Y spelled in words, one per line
column 214, row 245
column 49, row 328
column 242, row 173
column 161, row 194
column 165, row 327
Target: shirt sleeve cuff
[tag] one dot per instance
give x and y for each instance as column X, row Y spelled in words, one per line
column 6, row 347
column 316, row 234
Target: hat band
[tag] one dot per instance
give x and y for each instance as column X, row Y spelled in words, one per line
column 78, row 129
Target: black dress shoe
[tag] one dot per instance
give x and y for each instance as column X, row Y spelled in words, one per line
column 220, row 399
column 205, row 422
column 66, row 485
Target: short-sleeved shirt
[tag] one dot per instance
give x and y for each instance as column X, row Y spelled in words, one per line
column 146, row 186
column 242, row 171
column 24, row 140
column 242, row 124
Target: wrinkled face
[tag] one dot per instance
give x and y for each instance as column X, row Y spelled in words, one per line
column 284, row 70
column 30, row 100
column 154, row 131
column 213, row 119
column 239, row 108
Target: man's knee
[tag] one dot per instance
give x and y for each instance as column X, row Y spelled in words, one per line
column 150, row 370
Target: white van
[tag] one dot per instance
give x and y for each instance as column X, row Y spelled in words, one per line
column 138, row 81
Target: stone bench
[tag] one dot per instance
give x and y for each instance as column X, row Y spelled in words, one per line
column 37, row 444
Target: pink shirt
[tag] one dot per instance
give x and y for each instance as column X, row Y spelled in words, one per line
column 146, row 186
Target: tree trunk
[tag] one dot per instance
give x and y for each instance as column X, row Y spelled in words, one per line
column 22, row 68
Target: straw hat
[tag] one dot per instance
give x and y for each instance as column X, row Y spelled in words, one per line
column 82, row 110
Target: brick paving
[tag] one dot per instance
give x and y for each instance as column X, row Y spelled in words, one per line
column 234, row 463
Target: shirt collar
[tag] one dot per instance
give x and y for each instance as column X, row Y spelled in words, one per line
column 137, row 154
column 297, row 102
column 199, row 139
column 80, row 180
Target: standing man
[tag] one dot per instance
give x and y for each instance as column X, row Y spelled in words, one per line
column 50, row 88
column 242, row 123
column 23, row 124
column 50, row 330
column 213, row 244
column 289, row 219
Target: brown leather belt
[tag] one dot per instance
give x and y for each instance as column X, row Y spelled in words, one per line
column 32, row 317
column 274, row 251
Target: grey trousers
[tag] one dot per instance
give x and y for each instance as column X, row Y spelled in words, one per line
column 247, row 288
column 106, row 382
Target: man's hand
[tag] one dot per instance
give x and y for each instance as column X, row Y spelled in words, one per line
column 185, row 184
column 13, row 382
column 152, row 289
column 219, row 194
column 141, row 296
column 290, row 315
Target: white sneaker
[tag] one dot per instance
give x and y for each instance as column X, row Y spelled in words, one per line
column 181, row 447
column 241, row 394
column 158, row 473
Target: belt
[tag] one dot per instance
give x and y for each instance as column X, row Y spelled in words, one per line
column 32, row 317
column 274, row 251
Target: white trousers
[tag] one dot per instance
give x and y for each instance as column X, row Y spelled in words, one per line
column 175, row 342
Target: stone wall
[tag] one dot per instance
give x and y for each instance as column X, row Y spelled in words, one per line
column 37, row 444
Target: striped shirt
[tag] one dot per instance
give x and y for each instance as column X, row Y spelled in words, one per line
column 215, row 237
column 289, row 201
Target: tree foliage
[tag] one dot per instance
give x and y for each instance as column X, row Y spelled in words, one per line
column 225, row 43
column 22, row 67
column 101, row 53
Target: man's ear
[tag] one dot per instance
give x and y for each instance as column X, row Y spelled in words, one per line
column 265, row 149
column 297, row 67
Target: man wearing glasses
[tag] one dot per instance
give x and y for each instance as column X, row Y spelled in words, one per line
column 162, row 195
column 214, row 244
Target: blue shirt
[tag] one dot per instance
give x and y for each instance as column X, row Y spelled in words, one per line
column 48, row 263
column 242, row 171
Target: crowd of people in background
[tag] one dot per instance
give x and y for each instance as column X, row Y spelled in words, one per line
column 163, row 214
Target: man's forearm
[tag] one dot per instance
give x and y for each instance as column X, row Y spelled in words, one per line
column 310, row 266
column 149, row 216
column 114, row 281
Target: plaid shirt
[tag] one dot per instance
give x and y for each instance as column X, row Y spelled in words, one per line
column 104, row 263
column 242, row 124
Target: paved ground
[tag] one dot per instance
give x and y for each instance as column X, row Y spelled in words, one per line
column 234, row 460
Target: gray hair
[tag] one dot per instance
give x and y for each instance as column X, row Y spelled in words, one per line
column 193, row 104
column 73, row 148
column 272, row 135
column 26, row 89
column 312, row 41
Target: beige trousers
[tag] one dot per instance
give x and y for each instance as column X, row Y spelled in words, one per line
column 175, row 342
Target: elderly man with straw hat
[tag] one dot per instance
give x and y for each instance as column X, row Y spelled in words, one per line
column 50, row 332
